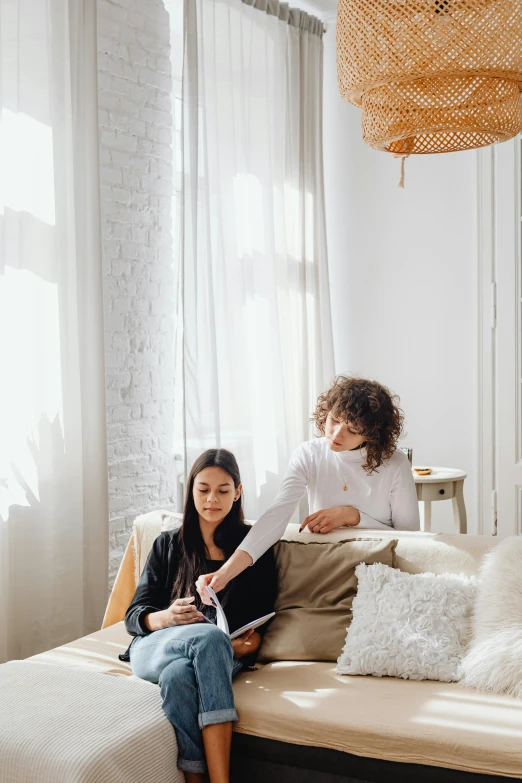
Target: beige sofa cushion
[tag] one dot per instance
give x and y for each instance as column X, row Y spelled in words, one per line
column 433, row 723
column 317, row 584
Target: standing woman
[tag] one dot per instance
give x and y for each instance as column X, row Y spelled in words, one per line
column 354, row 475
column 192, row 660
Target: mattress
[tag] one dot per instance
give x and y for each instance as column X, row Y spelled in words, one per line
column 307, row 703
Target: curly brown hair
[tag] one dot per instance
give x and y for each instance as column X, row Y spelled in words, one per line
column 370, row 408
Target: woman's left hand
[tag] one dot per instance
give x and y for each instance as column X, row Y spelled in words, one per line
column 332, row 518
column 247, row 644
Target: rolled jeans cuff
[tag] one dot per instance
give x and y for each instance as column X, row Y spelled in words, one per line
column 216, row 716
column 192, row 766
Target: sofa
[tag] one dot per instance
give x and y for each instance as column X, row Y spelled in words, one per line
column 300, row 721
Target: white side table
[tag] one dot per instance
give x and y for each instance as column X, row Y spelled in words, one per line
column 442, row 484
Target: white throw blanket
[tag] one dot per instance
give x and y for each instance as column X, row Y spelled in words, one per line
column 494, row 659
column 147, row 528
column 71, row 725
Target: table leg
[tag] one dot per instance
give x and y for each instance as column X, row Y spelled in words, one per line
column 425, row 515
column 459, row 509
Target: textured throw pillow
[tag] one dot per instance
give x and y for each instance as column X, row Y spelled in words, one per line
column 414, row 626
column 317, row 584
column 494, row 659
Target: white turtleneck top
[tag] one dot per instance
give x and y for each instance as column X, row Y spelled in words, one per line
column 385, row 498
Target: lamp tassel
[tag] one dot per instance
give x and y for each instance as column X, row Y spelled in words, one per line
column 401, row 181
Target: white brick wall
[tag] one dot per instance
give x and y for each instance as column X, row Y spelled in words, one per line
column 135, row 119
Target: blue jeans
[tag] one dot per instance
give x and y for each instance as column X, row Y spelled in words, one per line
column 194, row 665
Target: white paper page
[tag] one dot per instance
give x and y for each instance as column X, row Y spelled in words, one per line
column 221, row 620
column 254, row 624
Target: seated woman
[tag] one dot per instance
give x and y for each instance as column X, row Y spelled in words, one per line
column 354, row 475
column 192, row 660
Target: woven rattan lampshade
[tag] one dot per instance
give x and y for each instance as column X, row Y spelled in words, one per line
column 432, row 75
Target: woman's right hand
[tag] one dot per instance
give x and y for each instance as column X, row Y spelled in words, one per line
column 182, row 612
column 217, row 581
column 220, row 579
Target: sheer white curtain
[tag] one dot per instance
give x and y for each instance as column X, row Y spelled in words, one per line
column 255, row 335
column 53, row 471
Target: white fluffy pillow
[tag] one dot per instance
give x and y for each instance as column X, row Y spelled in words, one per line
column 494, row 659
column 414, row 626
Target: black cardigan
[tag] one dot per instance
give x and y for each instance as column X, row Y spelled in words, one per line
column 249, row 596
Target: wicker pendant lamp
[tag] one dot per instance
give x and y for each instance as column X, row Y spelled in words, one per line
column 432, row 75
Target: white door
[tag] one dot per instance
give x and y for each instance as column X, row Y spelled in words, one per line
column 508, row 336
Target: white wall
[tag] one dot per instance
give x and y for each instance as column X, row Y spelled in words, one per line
column 402, row 268
column 135, row 117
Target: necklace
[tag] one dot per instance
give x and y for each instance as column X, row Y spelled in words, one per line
column 213, row 550
column 345, row 485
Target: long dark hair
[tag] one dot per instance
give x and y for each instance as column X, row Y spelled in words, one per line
column 192, row 560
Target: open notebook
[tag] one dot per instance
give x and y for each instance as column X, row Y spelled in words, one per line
column 221, row 620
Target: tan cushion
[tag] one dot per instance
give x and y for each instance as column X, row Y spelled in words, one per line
column 317, row 584
column 417, row 552
column 434, row 723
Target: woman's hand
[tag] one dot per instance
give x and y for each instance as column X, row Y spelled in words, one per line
column 180, row 612
column 217, row 581
column 247, row 644
column 220, row 579
column 183, row 612
column 332, row 518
